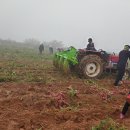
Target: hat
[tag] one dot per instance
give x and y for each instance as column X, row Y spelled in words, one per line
column 126, row 47
column 90, row 39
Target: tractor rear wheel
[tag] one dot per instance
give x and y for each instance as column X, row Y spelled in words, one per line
column 91, row 66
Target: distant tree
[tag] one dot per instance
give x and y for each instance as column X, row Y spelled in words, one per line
column 55, row 44
column 32, row 41
column 52, row 44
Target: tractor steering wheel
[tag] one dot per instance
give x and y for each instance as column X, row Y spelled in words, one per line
column 100, row 50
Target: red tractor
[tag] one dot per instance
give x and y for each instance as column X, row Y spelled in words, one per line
column 92, row 64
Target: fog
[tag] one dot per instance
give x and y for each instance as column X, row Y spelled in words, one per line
column 70, row 21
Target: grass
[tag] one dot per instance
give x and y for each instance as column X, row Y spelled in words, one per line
column 72, row 92
column 108, row 124
column 20, row 64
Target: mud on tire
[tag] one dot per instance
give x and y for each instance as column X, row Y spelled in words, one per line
column 91, row 66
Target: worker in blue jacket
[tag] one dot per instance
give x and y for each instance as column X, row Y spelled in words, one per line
column 123, row 57
column 90, row 45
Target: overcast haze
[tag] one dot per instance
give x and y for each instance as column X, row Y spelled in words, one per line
column 70, row 21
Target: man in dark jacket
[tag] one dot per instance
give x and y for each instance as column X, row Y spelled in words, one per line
column 90, row 45
column 123, row 57
column 51, row 50
column 41, row 48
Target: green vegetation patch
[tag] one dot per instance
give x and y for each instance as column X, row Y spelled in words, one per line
column 108, row 124
column 23, row 64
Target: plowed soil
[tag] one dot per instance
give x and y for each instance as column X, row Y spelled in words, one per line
column 29, row 99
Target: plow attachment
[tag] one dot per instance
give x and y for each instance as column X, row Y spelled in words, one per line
column 65, row 60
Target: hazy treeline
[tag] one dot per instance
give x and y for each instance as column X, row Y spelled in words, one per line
column 31, row 44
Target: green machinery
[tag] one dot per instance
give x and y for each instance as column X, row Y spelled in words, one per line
column 64, row 60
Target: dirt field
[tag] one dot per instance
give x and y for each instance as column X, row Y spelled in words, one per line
column 36, row 96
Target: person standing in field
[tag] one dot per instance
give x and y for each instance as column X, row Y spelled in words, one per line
column 51, row 50
column 123, row 57
column 90, row 45
column 41, row 48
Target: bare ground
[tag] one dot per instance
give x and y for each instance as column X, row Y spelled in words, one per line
column 35, row 106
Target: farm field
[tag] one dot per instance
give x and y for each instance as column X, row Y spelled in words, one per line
column 34, row 95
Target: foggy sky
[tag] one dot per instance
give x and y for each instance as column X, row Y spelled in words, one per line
column 70, row 21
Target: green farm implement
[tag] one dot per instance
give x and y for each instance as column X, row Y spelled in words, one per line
column 65, row 60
